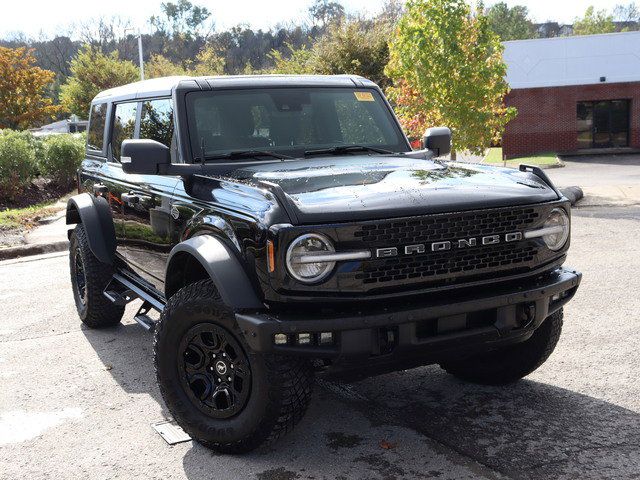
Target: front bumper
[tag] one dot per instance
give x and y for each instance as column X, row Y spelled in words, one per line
column 424, row 330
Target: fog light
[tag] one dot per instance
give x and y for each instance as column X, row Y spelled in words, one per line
column 304, row 338
column 326, row 338
column 280, row 339
column 555, row 298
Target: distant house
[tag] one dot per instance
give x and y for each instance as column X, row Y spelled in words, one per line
column 71, row 125
column 573, row 94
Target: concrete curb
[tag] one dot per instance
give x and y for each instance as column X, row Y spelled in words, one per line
column 574, row 194
column 34, row 249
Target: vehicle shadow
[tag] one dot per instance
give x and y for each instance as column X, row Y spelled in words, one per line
column 526, row 430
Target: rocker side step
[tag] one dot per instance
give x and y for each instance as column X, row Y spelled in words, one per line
column 143, row 318
column 121, row 291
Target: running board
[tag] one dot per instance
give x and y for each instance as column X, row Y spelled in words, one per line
column 143, row 318
column 121, row 291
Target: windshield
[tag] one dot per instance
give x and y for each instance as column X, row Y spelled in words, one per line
column 289, row 121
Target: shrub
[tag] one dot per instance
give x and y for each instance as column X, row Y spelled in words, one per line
column 17, row 163
column 62, row 157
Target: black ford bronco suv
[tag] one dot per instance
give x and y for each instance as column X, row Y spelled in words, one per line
column 283, row 227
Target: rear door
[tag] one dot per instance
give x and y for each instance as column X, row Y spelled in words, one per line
column 100, row 175
column 149, row 216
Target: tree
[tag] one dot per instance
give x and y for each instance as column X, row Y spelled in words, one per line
column 355, row 47
column 160, row 66
column 23, row 90
column 207, row 62
column 628, row 15
column 91, row 72
column 594, row 22
column 510, row 23
column 448, row 68
column 182, row 19
column 324, row 12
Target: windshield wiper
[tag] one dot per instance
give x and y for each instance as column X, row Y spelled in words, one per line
column 341, row 149
column 247, row 154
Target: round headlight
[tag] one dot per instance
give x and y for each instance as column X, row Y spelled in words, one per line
column 304, row 258
column 557, row 229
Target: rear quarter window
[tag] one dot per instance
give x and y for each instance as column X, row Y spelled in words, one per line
column 97, row 121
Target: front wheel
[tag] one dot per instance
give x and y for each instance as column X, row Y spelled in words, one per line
column 511, row 363
column 221, row 393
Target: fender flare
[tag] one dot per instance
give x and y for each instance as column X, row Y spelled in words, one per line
column 95, row 215
column 224, row 269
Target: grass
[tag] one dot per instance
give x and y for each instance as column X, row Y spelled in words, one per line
column 27, row 217
column 494, row 157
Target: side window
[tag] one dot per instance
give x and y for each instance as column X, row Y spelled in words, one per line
column 157, row 121
column 124, row 124
column 97, row 120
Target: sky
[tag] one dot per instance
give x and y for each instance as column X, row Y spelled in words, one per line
column 51, row 17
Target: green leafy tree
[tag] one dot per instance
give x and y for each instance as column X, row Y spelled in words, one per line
column 356, row 47
column 91, row 72
column 448, row 70
column 160, row 66
column 182, row 18
column 23, row 90
column 594, row 22
column 324, row 12
column 510, row 23
column 207, row 62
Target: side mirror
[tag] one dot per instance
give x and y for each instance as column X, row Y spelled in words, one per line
column 144, row 156
column 438, row 140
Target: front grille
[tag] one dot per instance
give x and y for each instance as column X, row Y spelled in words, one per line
column 461, row 263
column 450, row 266
column 434, row 228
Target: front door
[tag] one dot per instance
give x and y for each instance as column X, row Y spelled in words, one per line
column 603, row 124
column 148, row 212
column 148, row 225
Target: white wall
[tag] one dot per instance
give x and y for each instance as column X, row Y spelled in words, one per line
column 560, row 61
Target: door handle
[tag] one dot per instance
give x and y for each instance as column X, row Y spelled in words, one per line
column 130, row 198
column 99, row 188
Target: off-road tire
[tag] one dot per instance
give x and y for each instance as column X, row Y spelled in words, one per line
column 94, row 309
column 280, row 386
column 511, row 363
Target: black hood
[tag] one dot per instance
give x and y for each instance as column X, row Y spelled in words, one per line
column 348, row 188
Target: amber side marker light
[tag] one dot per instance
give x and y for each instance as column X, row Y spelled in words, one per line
column 271, row 258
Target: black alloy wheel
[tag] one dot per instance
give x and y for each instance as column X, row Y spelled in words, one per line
column 215, row 370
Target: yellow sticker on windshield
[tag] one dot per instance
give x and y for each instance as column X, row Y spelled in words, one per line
column 364, row 96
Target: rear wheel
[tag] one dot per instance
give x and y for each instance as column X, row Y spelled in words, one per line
column 221, row 393
column 89, row 277
column 510, row 364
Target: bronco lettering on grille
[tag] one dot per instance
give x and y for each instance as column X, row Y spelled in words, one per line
column 448, row 245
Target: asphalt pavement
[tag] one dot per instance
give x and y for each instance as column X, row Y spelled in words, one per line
column 78, row 403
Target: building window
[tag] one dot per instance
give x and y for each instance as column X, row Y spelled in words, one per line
column 603, row 124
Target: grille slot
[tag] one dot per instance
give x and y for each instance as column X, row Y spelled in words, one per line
column 436, row 228
column 449, row 264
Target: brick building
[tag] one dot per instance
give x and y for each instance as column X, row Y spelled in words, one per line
column 573, row 94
